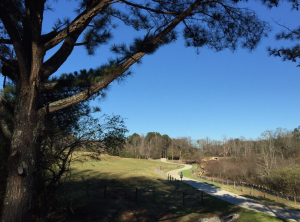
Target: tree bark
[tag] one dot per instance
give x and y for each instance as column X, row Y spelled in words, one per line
column 23, row 166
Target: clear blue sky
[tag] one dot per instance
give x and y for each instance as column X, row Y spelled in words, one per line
column 180, row 93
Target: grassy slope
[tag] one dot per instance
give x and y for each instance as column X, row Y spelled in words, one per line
column 81, row 198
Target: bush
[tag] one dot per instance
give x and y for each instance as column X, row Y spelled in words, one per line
column 286, row 180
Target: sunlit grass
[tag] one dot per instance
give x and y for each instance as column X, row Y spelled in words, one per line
column 81, row 197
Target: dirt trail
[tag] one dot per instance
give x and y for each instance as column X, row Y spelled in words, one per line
column 234, row 198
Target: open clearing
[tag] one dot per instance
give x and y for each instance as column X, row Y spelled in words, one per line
column 81, row 197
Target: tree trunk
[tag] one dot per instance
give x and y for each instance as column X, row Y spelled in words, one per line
column 21, row 194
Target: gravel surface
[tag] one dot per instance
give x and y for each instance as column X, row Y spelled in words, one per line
column 228, row 218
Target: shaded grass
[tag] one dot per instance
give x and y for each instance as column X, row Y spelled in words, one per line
column 81, row 197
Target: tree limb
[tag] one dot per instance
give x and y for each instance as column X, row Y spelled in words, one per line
column 70, row 34
column 96, row 87
column 49, row 85
column 16, row 40
column 287, row 28
column 147, row 8
column 3, row 124
column 5, row 41
column 10, row 68
column 80, row 22
column 5, row 129
column 80, row 44
column 53, row 64
column 115, row 73
column 176, row 21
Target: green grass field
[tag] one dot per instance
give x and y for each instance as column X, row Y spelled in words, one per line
column 81, row 198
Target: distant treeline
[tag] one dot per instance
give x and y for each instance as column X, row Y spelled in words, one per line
column 154, row 145
column 272, row 160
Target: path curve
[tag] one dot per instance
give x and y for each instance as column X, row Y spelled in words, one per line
column 234, row 198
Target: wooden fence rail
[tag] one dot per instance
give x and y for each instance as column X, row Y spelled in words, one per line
column 129, row 193
column 255, row 191
column 120, row 193
column 187, row 193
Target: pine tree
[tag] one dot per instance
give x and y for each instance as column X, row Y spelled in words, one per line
column 215, row 24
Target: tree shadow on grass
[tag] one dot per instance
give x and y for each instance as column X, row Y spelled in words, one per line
column 284, row 214
column 82, row 199
column 271, row 202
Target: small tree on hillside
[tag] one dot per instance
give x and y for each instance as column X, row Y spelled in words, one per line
column 166, row 143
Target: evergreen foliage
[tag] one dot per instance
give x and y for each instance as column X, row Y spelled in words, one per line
column 291, row 53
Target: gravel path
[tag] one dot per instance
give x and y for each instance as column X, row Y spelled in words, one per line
column 236, row 199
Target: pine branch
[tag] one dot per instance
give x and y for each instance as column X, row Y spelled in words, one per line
column 117, row 72
column 82, row 43
column 10, row 68
column 70, row 35
column 147, row 8
column 94, row 88
column 78, row 24
column 16, row 40
column 176, row 21
column 5, row 129
column 6, row 41
column 53, row 64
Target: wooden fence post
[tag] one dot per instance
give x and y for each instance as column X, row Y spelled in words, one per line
column 243, row 187
column 87, row 189
column 252, row 191
column 136, row 193
column 295, row 201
